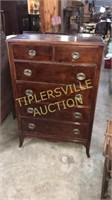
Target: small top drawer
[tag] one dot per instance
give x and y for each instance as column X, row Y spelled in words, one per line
column 32, row 52
column 76, row 54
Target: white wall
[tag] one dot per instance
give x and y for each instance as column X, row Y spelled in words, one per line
column 99, row 3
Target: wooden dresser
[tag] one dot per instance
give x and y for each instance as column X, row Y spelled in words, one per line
column 55, row 81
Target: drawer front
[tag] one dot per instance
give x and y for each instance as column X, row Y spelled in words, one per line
column 53, row 73
column 54, row 129
column 32, row 52
column 76, row 54
column 73, row 114
column 54, row 93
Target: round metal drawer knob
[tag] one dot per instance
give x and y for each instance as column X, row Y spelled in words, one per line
column 32, row 53
column 77, row 115
column 29, row 92
column 76, row 131
column 79, row 96
column 75, row 55
column 81, row 76
column 27, row 72
column 30, row 110
column 31, row 126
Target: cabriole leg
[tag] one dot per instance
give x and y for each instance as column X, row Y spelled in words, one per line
column 87, row 152
column 21, row 140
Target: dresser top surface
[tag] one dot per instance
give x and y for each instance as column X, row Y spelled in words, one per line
column 55, row 38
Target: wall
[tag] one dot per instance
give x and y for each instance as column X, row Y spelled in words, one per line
column 48, row 8
column 99, row 3
column 11, row 25
column 14, row 12
column 65, row 3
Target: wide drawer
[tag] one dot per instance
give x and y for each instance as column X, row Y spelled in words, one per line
column 54, row 128
column 41, row 111
column 44, row 92
column 76, row 54
column 32, row 52
column 53, row 73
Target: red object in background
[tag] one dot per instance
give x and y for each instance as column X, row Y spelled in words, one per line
column 107, row 64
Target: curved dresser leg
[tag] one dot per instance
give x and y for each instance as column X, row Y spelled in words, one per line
column 21, row 140
column 87, row 152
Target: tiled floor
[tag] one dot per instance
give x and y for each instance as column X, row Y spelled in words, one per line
column 43, row 170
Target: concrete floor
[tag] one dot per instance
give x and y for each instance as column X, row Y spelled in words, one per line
column 43, row 170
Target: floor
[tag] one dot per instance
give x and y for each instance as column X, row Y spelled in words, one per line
column 43, row 170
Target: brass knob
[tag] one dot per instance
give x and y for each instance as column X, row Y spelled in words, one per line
column 79, row 96
column 79, row 99
column 31, row 126
column 77, row 115
column 32, row 53
column 27, row 72
column 29, row 92
column 81, row 76
column 30, row 110
column 76, row 131
column 75, row 55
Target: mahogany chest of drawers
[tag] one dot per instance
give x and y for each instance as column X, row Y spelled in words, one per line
column 55, row 82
